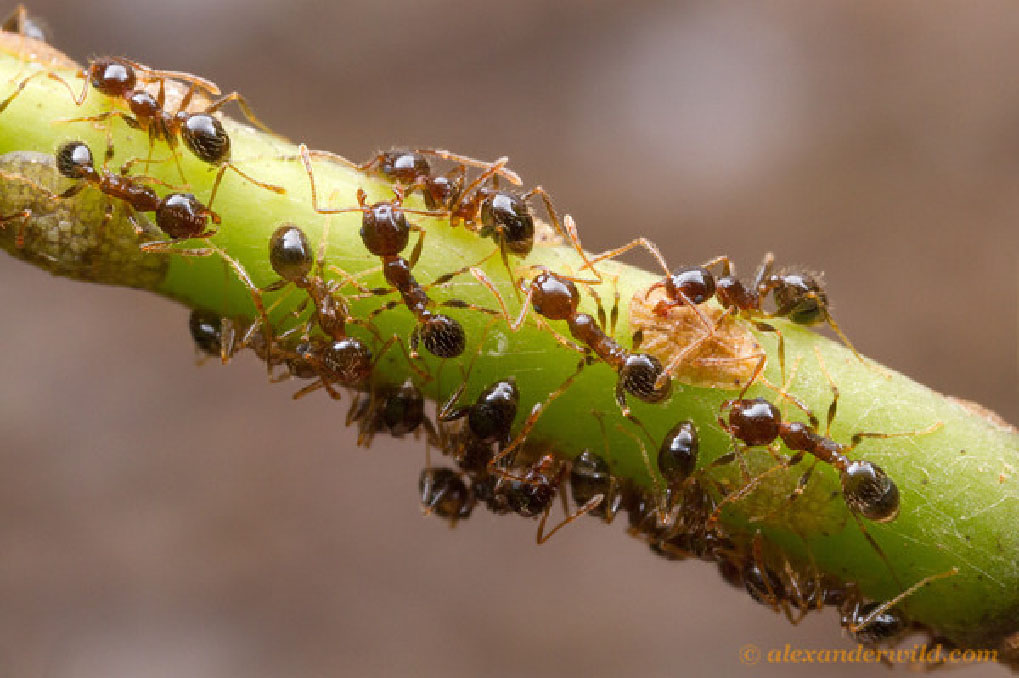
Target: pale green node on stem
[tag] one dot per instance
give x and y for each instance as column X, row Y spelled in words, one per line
column 958, row 484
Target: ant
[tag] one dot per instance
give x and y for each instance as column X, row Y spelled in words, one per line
column 504, row 215
column 385, row 232
column 444, row 492
column 202, row 133
column 180, row 215
column 396, row 410
column 590, row 476
column 529, row 491
column 413, row 171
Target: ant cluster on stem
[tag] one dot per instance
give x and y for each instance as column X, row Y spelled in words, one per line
column 697, row 325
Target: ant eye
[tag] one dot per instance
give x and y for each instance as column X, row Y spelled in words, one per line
column 73, row 158
column 870, row 492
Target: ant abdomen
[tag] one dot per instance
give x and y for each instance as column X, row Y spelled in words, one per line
column 506, row 219
column 638, row 376
column 801, row 295
column 442, row 336
column 205, row 137
column 870, row 492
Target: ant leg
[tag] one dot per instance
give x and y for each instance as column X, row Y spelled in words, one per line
column 570, row 232
column 499, row 164
column 153, row 74
column 749, row 487
column 633, row 244
column 884, row 607
column 763, row 273
column 20, row 88
column 591, row 505
column 532, row 419
column 23, row 216
column 279, row 190
column 244, row 106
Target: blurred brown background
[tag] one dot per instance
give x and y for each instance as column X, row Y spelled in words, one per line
column 162, row 520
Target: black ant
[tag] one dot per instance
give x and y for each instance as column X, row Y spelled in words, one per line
column 180, row 215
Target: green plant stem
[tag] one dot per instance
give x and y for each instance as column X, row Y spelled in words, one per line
column 958, row 484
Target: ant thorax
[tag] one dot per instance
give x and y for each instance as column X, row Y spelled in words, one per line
column 726, row 358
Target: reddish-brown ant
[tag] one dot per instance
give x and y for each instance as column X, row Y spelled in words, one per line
column 385, row 232
column 180, row 215
column 202, row 133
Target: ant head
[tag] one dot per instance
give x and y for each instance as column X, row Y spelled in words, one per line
column 491, row 418
column 870, row 492
column 443, row 336
column 506, row 219
column 205, row 137
column 554, row 297
column 444, row 191
column 112, row 76
column 755, row 422
column 803, row 299
column 403, row 166
column 385, row 230
column 73, row 159
column 638, row 376
column 290, row 253
column 696, row 283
